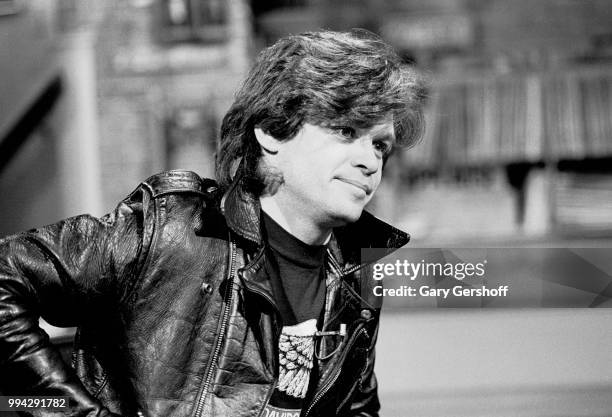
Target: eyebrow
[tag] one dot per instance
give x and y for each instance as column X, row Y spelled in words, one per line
column 383, row 131
column 387, row 136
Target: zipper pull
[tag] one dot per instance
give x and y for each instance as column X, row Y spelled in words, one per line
column 341, row 332
column 320, row 335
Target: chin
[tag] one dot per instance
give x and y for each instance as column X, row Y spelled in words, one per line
column 347, row 216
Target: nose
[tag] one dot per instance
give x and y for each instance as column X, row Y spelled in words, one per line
column 364, row 156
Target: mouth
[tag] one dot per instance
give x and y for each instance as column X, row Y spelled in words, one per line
column 365, row 187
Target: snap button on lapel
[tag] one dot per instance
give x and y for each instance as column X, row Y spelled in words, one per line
column 207, row 288
column 366, row 314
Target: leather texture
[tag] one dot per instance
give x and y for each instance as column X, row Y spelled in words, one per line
column 174, row 308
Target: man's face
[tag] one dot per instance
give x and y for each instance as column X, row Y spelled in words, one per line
column 331, row 173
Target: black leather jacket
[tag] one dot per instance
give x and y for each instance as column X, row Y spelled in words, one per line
column 174, row 308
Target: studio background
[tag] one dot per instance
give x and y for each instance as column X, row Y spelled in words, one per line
column 97, row 96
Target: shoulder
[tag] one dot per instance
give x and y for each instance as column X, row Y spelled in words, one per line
column 183, row 197
column 179, row 181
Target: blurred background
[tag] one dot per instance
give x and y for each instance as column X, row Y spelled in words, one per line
column 97, row 96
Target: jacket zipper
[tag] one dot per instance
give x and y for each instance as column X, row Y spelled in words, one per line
column 351, row 270
column 220, row 336
column 342, row 273
column 331, row 381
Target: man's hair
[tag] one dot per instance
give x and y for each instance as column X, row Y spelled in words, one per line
column 323, row 78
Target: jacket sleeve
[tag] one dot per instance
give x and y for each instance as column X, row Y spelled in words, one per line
column 66, row 273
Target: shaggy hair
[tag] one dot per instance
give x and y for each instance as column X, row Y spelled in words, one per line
column 323, row 78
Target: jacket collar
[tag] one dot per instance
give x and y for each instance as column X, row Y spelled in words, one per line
column 241, row 211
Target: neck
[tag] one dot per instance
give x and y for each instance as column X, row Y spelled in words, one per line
column 302, row 228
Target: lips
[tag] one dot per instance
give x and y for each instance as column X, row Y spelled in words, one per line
column 365, row 187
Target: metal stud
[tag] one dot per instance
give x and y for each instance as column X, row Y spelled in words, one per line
column 207, row 288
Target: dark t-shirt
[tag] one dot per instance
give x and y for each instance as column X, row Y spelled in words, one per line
column 297, row 276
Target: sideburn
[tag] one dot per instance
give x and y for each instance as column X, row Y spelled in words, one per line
column 272, row 178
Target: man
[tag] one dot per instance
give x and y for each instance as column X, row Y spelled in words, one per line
column 244, row 297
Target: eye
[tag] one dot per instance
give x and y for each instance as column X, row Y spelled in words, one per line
column 382, row 146
column 346, row 132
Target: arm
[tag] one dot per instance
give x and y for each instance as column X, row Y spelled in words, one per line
column 65, row 273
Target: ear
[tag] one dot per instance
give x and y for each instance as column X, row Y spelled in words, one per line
column 267, row 142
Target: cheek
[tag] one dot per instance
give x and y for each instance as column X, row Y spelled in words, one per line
column 378, row 178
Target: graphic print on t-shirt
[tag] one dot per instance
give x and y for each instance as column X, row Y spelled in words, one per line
column 296, row 352
column 296, row 347
column 271, row 411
